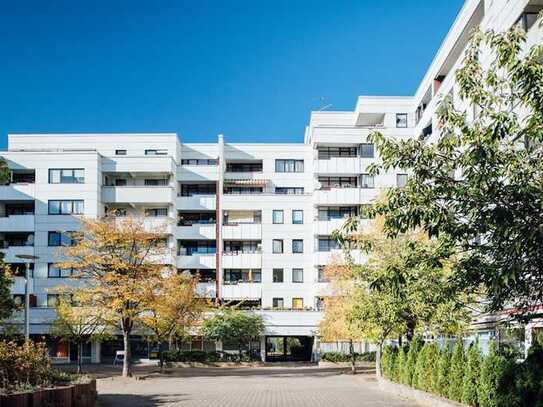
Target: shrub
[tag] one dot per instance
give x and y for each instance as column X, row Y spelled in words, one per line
column 430, row 372
column 337, row 357
column 420, row 368
column 527, row 379
column 402, row 363
column 471, row 375
column 388, row 362
column 492, row 369
column 205, row 357
column 443, row 370
column 456, row 376
column 24, row 366
column 409, row 370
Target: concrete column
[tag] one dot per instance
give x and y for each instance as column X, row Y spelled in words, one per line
column 316, row 351
column 263, row 348
column 95, row 352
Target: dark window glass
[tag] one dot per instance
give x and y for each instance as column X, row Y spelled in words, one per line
column 297, row 246
column 401, row 119
column 366, row 150
column 120, row 152
column 277, row 275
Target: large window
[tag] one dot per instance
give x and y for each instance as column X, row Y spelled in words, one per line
column 367, row 150
column 338, row 182
column 297, row 303
column 156, row 182
column 156, row 152
column 278, row 216
column 195, row 218
column 278, row 302
column 243, row 190
column 278, row 275
column 241, row 246
column 337, row 212
column 196, row 247
column 193, row 161
column 244, row 167
column 401, row 119
column 367, row 181
column 120, row 152
column 297, row 216
column 277, row 246
column 61, row 239
column 297, row 275
column 297, row 246
column 327, row 244
column 325, row 153
column 56, row 272
column 289, row 165
column 67, row 176
column 289, row 190
column 66, row 207
column 197, row 189
column 156, row 212
column 232, row 276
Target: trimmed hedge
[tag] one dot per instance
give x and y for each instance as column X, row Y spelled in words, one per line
column 208, row 357
column 494, row 380
column 337, row 357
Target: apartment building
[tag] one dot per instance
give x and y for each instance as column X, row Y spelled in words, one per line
column 252, row 221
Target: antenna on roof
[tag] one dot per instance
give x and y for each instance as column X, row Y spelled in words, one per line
column 323, row 101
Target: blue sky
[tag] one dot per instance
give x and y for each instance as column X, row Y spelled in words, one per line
column 251, row 69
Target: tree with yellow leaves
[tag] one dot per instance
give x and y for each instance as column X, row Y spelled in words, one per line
column 119, row 260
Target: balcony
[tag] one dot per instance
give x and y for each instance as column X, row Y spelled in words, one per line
column 241, row 291
column 337, row 256
column 11, row 252
column 338, row 165
column 17, row 192
column 137, row 194
column 17, row 223
column 242, row 231
column 196, row 261
column 207, row 289
column 162, row 224
column 143, row 164
column 327, row 227
column 335, row 196
column 196, row 202
column 242, row 261
column 196, row 231
column 301, row 322
column 198, row 173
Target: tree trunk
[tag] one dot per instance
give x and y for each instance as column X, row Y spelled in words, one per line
column 378, row 359
column 79, row 363
column 127, row 371
column 239, row 350
column 353, row 356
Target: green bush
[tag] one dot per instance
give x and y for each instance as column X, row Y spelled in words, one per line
column 402, row 364
column 420, row 368
column 25, row 366
column 430, row 372
column 456, row 376
column 388, row 362
column 409, row 371
column 206, row 357
column 492, row 369
column 443, row 370
column 472, row 368
column 337, row 357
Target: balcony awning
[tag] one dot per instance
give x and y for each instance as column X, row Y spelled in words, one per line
column 254, row 182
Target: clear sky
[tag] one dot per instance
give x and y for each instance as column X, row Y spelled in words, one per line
column 251, row 69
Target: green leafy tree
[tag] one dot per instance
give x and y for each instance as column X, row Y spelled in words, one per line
column 419, row 377
column 234, row 326
column 456, row 376
column 470, row 383
column 4, row 172
column 492, row 368
column 7, row 304
column 478, row 186
column 443, row 372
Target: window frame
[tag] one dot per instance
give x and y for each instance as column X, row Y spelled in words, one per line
column 120, row 152
column 282, row 246
column 74, row 178
column 401, row 175
column 289, row 165
column 367, row 177
column 278, row 211
column 278, row 300
column 300, row 249
column 282, row 279
column 300, row 302
column 404, row 115
column 300, row 222
column 298, row 270
column 61, row 201
column 364, row 154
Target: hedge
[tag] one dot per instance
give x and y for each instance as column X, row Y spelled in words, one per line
column 208, row 357
column 494, row 380
column 337, row 357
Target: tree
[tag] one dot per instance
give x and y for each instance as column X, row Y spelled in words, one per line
column 78, row 325
column 7, row 304
column 478, row 186
column 492, row 368
column 4, row 172
column 173, row 309
column 118, row 258
column 456, row 377
column 470, row 383
column 232, row 325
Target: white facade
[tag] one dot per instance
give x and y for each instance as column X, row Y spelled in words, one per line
column 231, row 207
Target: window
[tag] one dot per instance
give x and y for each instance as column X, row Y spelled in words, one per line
column 156, row 212
column 277, row 275
column 327, row 244
column 198, row 189
column 297, row 216
column 243, row 190
column 336, row 212
column 297, row 303
column 120, row 152
column 401, row 120
column 157, row 182
column 321, row 274
column 338, row 182
column 256, row 275
column 61, row 239
column 297, row 275
column 156, row 152
column 278, row 216
column 52, row 300
column 65, row 207
column 195, row 218
column 289, row 190
column 54, row 271
column 289, row 165
column 401, row 180
column 366, row 150
column 67, row 176
column 277, row 246
column 241, row 246
column 120, row 182
column 20, row 300
column 199, row 161
column 244, row 167
column 196, row 247
column 367, row 181
column 297, row 246
column 325, row 153
column 278, row 303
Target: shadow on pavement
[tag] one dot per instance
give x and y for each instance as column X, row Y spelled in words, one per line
column 151, row 400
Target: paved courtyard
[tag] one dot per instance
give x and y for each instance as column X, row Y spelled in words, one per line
column 247, row 387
